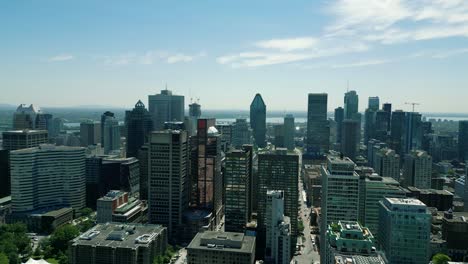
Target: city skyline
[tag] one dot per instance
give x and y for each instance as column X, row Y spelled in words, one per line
column 401, row 51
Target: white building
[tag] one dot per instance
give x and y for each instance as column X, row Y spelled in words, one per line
column 278, row 229
column 387, row 163
column 47, row 176
column 418, row 169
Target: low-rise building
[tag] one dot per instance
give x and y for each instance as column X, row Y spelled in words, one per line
column 117, row 206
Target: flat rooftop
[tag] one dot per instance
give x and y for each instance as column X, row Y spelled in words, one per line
column 405, row 201
column 24, row 132
column 223, row 241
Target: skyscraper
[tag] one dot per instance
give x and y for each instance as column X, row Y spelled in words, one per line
column 349, row 143
column 351, row 104
column 278, row 229
column 106, row 115
column 418, row 169
column 387, row 107
column 241, row 133
column 404, row 230
column 139, row 124
column 25, row 117
column 397, row 131
column 110, row 132
column 194, row 115
column 278, row 170
column 318, row 129
column 387, row 163
column 168, row 180
column 374, row 103
column 165, row 107
column 412, row 132
column 21, row 139
column 289, row 132
column 463, row 140
column 278, row 132
column 47, row 177
column 258, row 120
column 339, row 117
column 369, row 125
column 238, row 180
column 90, row 133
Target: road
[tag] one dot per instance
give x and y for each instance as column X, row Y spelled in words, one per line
column 309, row 254
column 182, row 259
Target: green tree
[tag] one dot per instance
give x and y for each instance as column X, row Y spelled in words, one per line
column 61, row 236
column 3, row 259
column 440, row 259
column 300, row 226
column 86, row 212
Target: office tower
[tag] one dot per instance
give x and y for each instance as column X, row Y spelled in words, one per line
column 278, row 132
column 351, row 103
column 217, row 247
column 168, row 181
column 350, row 242
column 418, row 169
column 374, row 103
column 110, row 133
column 25, row 117
column 455, row 234
column 237, row 189
column 318, row 129
column 340, row 194
column 143, row 154
column 56, row 128
column 278, row 229
column 387, row 107
column 106, row 173
column 412, row 132
column 289, row 132
column 47, row 177
column 372, row 189
column 381, row 125
column 369, row 125
column 226, row 135
column 43, row 121
column 258, row 120
column 90, row 133
column 387, row 163
column 404, row 230
column 463, row 140
column 397, row 131
column 5, row 179
column 339, row 117
column 205, row 171
column 165, row 107
column 194, row 115
column 278, row 170
column 21, row 139
column 139, row 124
column 119, row 244
column 108, row 203
column 241, row 133
column 349, row 143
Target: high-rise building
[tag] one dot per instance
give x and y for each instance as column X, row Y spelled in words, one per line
column 5, row 180
column 349, row 144
column 351, row 104
column 387, row 107
column 339, row 117
column 381, row 125
column 25, row 117
column 278, row 229
column 397, row 131
column 318, row 129
column 258, row 120
column 387, row 163
column 278, row 170
column 404, row 230
column 237, row 192
column 90, row 133
column 110, row 133
column 47, row 177
column 278, row 132
column 139, row 124
column 412, row 132
column 165, row 107
column 340, row 194
column 108, row 203
column 289, row 132
column 119, row 244
column 226, row 135
column 21, row 139
column 418, row 169
column 369, row 125
column 143, row 154
column 168, row 181
column 374, row 103
column 241, row 133
column 194, row 115
column 106, row 115
column 463, row 140
column 217, row 247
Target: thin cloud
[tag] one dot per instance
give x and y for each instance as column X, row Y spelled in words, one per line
column 61, row 57
column 362, row 63
column 150, row 58
column 288, row 44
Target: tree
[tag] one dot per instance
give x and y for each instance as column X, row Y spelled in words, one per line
column 440, row 259
column 3, row 258
column 86, row 211
column 61, row 236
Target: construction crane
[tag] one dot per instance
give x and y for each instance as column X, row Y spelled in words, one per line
column 413, row 104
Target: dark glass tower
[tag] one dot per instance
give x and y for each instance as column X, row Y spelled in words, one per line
column 258, row 120
column 351, row 103
column 138, row 123
column 463, row 140
column 318, row 129
column 339, row 117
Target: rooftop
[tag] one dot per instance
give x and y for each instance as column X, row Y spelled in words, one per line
column 225, row 241
column 405, row 201
column 24, row 132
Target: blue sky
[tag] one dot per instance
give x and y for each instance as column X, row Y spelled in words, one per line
column 63, row 53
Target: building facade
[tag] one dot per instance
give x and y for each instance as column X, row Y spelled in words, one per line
column 418, row 169
column 278, row 229
column 258, row 120
column 165, row 107
column 139, row 124
column 318, row 128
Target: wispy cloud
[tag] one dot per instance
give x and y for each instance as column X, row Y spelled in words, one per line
column 149, row 58
column 61, row 57
column 288, row 44
column 363, row 63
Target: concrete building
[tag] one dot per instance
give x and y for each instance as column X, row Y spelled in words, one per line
column 455, row 233
column 139, row 124
column 440, row 199
column 238, row 187
column 374, row 103
column 318, row 128
column 278, row 132
column 463, row 140
column 349, row 239
column 226, row 135
column 165, row 107
column 220, row 248
column 47, row 176
column 404, row 230
column 418, row 169
column 278, row 170
column 25, row 117
column 21, row 139
column 110, row 133
column 118, row 206
column 258, row 120
column 113, row 243
column 241, row 133
column 289, row 132
column 350, row 135
column 278, row 230
column 387, row 163
column 168, row 179
column 90, row 133
column 340, row 195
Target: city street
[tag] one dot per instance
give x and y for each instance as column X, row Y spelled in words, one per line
column 309, row 254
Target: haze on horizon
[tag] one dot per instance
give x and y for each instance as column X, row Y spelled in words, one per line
column 58, row 53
